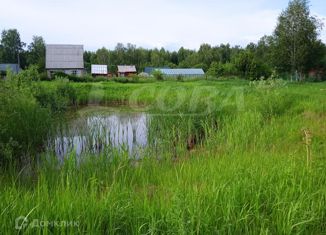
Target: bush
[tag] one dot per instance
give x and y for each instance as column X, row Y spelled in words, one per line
column 229, row 69
column 251, row 68
column 84, row 78
column 220, row 70
column 30, row 74
column 24, row 123
column 133, row 79
column 97, row 79
column 44, row 77
column 180, row 78
column 59, row 99
column 60, row 75
column 27, row 111
column 158, row 75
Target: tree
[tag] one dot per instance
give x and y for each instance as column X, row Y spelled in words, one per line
column 12, row 46
column 157, row 59
column 1, row 53
column 103, row 56
column 88, row 56
column 224, row 53
column 205, row 56
column 215, row 69
column 120, row 54
column 294, row 36
column 263, row 50
column 249, row 67
column 36, row 53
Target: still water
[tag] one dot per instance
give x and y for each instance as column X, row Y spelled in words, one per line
column 95, row 129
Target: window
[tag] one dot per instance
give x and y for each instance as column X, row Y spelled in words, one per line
column 74, row 72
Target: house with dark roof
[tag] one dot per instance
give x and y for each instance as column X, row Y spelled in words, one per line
column 64, row 58
column 126, row 70
column 12, row 67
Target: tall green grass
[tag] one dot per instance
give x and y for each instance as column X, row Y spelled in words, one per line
column 248, row 175
column 28, row 113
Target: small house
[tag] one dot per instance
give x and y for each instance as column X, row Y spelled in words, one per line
column 99, row 70
column 14, row 68
column 126, row 70
column 64, row 58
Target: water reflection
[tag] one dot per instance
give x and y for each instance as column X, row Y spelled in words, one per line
column 95, row 132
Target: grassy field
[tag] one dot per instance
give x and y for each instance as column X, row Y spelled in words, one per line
column 260, row 168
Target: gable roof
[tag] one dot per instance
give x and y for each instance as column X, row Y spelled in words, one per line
column 13, row 67
column 64, row 56
column 99, row 69
column 127, row 69
column 183, row 72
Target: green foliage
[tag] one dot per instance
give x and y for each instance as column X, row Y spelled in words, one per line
column 158, row 75
column 179, row 78
column 57, row 99
column 133, row 79
column 294, row 38
column 219, row 70
column 11, row 45
column 36, row 53
column 74, row 78
column 30, row 74
column 24, row 123
column 251, row 68
column 102, row 56
column 27, row 114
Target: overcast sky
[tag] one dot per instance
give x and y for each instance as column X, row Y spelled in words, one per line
column 146, row 23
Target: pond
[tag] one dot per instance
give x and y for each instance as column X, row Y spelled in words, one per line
column 93, row 129
column 124, row 130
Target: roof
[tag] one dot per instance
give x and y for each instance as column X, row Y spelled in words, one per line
column 99, row 69
column 150, row 70
column 182, row 72
column 64, row 56
column 127, row 69
column 13, row 67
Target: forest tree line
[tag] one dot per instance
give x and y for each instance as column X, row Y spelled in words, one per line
column 293, row 50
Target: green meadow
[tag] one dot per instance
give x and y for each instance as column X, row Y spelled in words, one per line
column 256, row 164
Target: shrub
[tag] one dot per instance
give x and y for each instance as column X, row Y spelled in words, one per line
column 24, row 123
column 44, row 77
column 60, row 74
column 180, row 78
column 30, row 74
column 135, row 78
column 84, row 78
column 251, row 68
column 59, row 99
column 229, row 69
column 220, row 70
column 97, row 79
column 158, row 75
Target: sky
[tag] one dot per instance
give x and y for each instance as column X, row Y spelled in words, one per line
column 147, row 23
